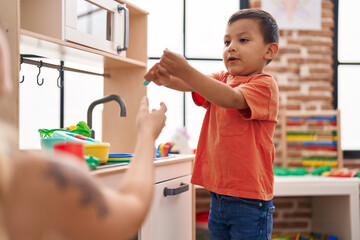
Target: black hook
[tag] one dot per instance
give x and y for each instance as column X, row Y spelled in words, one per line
column 40, row 66
column 21, row 62
column 59, row 82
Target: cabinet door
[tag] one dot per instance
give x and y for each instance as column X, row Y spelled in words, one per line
column 170, row 216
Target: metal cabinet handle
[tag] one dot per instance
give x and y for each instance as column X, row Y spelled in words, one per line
column 126, row 27
column 175, row 191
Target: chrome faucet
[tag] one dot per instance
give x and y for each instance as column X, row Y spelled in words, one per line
column 109, row 98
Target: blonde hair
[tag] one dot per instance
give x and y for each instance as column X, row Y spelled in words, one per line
column 8, row 145
column 4, row 179
column 5, row 84
column 8, row 142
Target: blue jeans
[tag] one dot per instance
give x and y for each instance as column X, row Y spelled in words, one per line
column 240, row 218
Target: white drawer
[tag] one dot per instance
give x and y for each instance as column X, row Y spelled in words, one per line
column 172, row 171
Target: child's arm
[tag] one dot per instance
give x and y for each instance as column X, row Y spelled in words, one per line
column 139, row 179
column 214, row 91
column 137, row 185
column 160, row 77
column 67, row 202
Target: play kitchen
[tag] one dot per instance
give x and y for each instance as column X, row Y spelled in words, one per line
column 95, row 37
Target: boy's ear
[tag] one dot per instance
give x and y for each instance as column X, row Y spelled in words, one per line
column 271, row 51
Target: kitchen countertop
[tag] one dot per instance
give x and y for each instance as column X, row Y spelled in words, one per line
column 118, row 168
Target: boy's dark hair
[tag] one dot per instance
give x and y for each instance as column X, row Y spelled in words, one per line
column 267, row 23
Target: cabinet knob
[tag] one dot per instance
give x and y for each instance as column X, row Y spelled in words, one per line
column 175, row 191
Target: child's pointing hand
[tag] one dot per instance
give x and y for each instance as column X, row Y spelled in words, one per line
column 174, row 64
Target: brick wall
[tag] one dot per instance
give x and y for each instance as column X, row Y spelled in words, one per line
column 304, row 64
column 304, row 71
column 303, row 67
column 292, row 215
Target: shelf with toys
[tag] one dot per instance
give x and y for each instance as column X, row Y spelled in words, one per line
column 311, row 138
column 334, row 200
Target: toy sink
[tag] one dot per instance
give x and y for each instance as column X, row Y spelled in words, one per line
column 92, row 146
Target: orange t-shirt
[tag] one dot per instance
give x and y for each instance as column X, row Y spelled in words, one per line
column 236, row 152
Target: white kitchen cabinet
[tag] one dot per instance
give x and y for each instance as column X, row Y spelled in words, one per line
column 172, row 216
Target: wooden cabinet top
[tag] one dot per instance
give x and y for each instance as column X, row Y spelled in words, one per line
column 173, row 159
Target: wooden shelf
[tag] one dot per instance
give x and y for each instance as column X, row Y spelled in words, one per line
column 311, row 113
column 50, row 47
column 157, row 163
column 335, row 202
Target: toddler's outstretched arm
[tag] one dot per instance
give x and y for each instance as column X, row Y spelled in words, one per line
column 214, row 91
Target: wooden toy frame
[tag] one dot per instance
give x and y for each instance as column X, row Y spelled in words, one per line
column 302, row 138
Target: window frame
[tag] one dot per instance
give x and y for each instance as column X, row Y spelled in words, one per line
column 347, row 154
column 242, row 3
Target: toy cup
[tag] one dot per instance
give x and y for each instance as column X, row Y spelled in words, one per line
column 76, row 149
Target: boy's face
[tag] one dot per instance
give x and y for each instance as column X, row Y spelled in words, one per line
column 245, row 52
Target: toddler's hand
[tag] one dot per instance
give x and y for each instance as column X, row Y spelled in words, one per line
column 174, row 64
column 151, row 122
column 158, row 75
column 152, row 76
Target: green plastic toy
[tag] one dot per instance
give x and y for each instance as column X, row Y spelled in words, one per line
column 320, row 170
column 82, row 125
column 282, row 171
column 92, row 161
column 47, row 133
column 81, row 128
